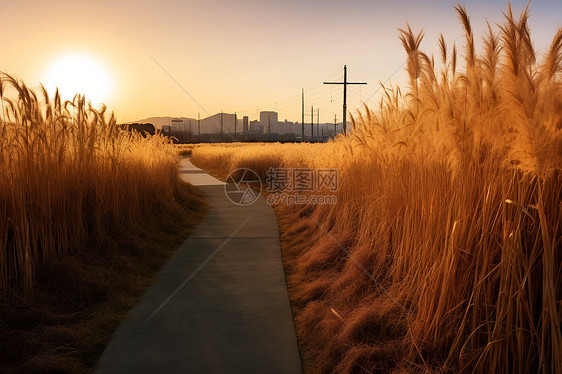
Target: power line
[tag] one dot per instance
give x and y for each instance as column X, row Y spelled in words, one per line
column 385, row 82
column 294, row 97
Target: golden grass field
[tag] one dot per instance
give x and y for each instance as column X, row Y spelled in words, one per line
column 444, row 250
column 88, row 213
column 69, row 173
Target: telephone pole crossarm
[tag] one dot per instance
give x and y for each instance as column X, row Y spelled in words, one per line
column 345, row 83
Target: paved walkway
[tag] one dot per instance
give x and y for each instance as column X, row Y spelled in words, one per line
column 219, row 305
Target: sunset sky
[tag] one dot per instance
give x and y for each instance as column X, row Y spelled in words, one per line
column 235, row 56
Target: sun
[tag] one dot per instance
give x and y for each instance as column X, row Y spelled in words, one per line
column 79, row 73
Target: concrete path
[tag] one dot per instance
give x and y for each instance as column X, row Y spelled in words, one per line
column 219, row 305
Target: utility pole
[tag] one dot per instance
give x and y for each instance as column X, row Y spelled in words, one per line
column 302, row 139
column 312, row 123
column 345, row 83
column 221, row 129
column 335, row 125
column 235, row 122
column 318, row 123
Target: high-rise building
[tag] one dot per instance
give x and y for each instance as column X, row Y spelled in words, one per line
column 245, row 121
column 268, row 121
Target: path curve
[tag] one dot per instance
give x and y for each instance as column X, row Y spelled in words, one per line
column 219, row 305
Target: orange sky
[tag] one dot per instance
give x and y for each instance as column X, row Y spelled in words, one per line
column 236, row 56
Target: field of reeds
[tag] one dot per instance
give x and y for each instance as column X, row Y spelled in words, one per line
column 88, row 213
column 444, row 250
column 70, row 174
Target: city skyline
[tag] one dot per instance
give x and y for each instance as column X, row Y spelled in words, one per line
column 211, row 123
column 228, row 127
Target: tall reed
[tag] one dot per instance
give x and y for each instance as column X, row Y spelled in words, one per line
column 69, row 174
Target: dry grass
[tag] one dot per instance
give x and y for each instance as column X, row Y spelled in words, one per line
column 88, row 213
column 70, row 174
column 79, row 299
column 450, row 199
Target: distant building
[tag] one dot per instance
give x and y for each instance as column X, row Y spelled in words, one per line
column 255, row 127
column 245, row 123
column 177, row 124
column 269, row 121
column 212, row 124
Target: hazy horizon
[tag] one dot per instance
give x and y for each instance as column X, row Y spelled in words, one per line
column 241, row 57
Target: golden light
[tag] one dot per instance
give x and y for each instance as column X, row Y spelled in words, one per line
column 79, row 74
